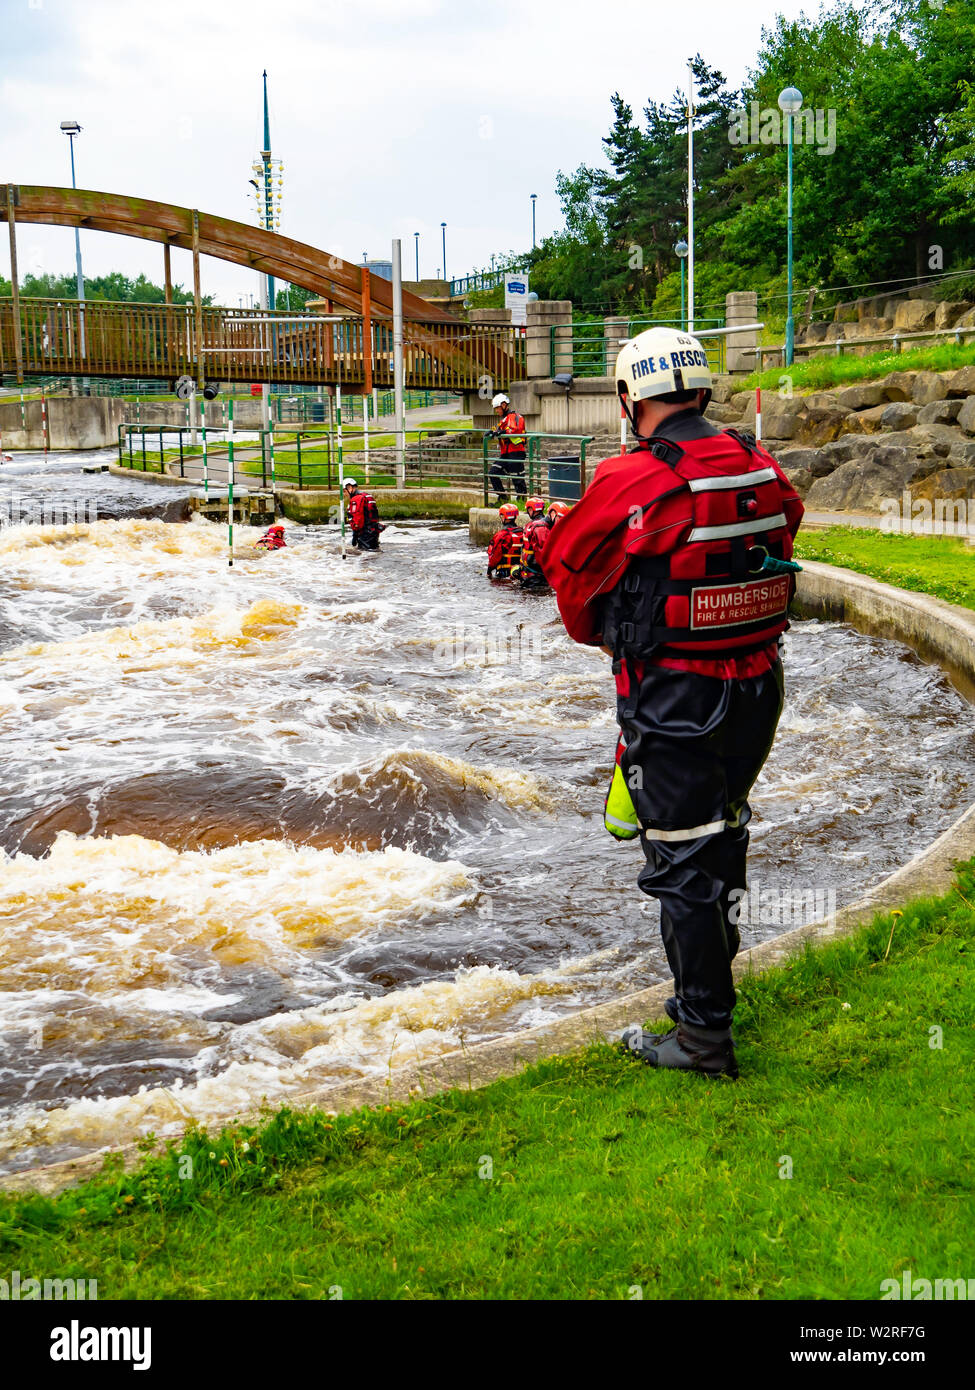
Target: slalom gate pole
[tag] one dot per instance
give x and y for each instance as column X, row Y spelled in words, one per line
column 365, row 426
column 230, row 484
column 23, row 414
column 622, row 430
column 270, row 442
column 44, row 424
column 338, row 422
column 206, row 459
column 758, row 413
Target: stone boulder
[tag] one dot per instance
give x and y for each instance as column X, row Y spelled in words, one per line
column 815, row 332
column 898, row 386
column 780, row 415
column 946, row 484
column 722, row 390
column 800, row 478
column 868, row 328
column 861, row 397
column 816, row 462
column 962, row 454
column 967, row 319
column 934, row 439
column 848, row 446
column 928, row 387
column 898, row 416
column 740, row 399
column 914, row 315
column 948, row 312
column 939, row 413
column 864, row 484
column 871, row 420
column 966, row 416
column 722, row 414
column 962, row 382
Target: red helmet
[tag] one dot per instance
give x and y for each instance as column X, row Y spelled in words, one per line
column 276, row 527
column 535, row 506
column 559, row 508
column 508, row 511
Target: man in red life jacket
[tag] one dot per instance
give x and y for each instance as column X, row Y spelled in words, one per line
column 363, row 517
column 273, row 538
column 504, row 552
column 510, row 463
column 677, row 562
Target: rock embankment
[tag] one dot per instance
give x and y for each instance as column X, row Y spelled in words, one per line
column 852, row 448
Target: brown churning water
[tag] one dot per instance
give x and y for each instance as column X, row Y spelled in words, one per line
column 307, row 820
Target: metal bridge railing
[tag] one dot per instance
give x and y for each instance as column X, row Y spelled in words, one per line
column 98, row 338
column 586, row 349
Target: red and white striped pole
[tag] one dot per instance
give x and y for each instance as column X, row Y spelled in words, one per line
column 622, row 429
column 758, row 413
column 44, row 424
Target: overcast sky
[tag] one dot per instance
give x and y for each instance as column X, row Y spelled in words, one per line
column 390, row 116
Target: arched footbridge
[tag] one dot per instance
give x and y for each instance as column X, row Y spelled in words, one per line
column 350, row 343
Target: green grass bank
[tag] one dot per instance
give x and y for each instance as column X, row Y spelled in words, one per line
column 840, row 1158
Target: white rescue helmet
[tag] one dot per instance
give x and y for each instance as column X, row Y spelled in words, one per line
column 502, row 398
column 660, row 362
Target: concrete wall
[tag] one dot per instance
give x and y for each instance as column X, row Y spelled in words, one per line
column 74, row 422
column 91, row 422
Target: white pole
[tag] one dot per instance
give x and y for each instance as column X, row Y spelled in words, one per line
column 622, row 430
column 365, row 432
column 398, row 365
column 338, row 419
column 206, row 461
column 191, row 418
column 264, row 337
column 230, row 484
column 690, row 195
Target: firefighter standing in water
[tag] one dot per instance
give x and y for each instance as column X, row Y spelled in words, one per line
column 363, row 517
column 510, row 464
column 504, row 552
column 677, row 562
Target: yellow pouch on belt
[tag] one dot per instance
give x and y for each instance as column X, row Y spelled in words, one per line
column 619, row 813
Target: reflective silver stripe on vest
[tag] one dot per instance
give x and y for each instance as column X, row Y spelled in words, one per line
column 697, row 832
column 737, row 528
column 758, row 475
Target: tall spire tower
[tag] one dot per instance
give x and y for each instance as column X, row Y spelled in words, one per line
column 268, row 187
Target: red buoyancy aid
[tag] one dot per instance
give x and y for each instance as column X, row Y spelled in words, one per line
column 512, row 434
column 363, row 511
column 536, row 534
column 665, row 548
column 505, row 550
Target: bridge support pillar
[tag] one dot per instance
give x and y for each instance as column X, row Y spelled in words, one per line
column 14, row 287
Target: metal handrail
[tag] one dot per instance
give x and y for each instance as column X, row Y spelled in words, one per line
column 534, row 460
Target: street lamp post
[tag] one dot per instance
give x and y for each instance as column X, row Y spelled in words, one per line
column 443, row 233
column 416, row 247
column 790, row 101
column 681, row 250
column 71, row 129
column 534, row 197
